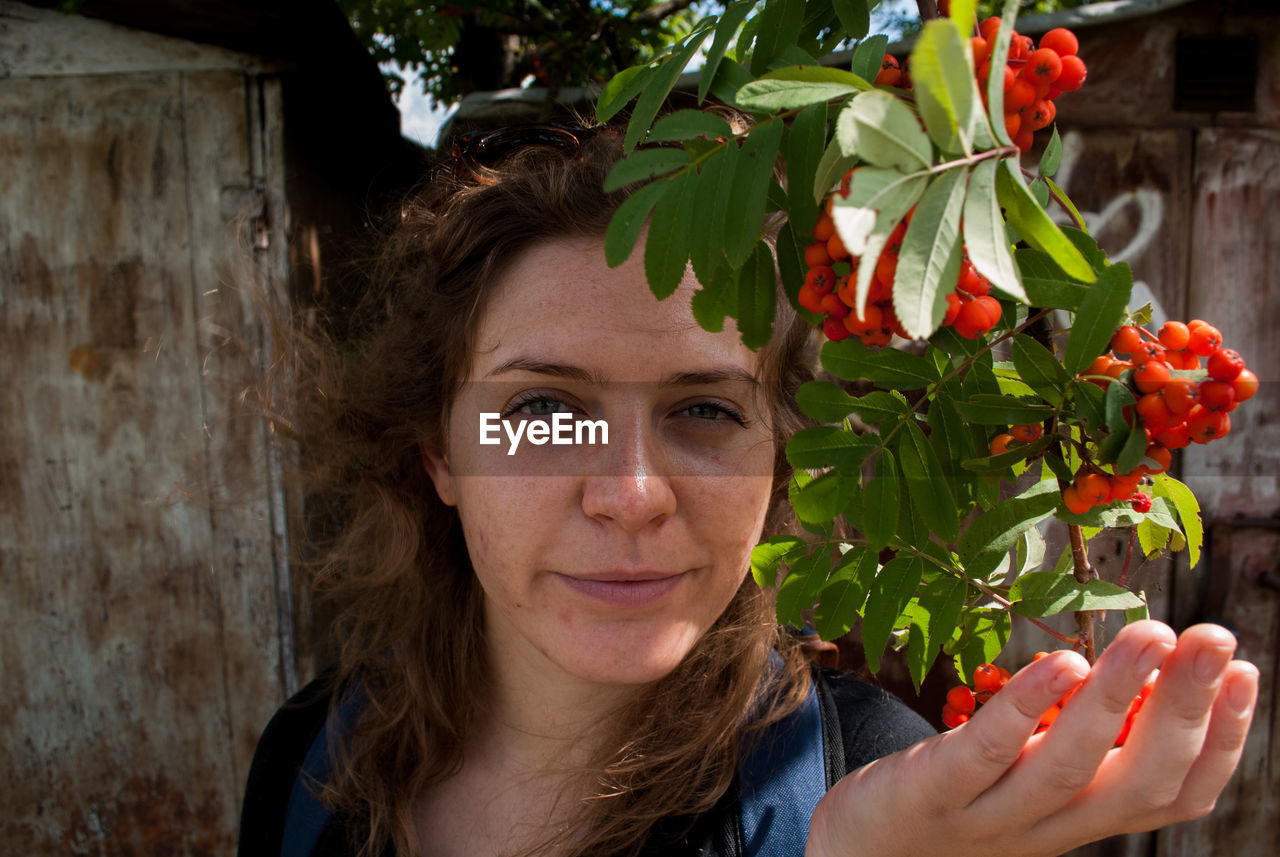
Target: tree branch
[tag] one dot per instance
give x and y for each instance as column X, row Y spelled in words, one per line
column 655, row 14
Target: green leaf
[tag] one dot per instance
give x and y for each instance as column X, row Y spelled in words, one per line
column 890, row 368
column 880, row 407
column 855, row 17
column 1188, row 511
column 831, row 168
column 806, row 137
column 1052, row 156
column 1090, row 403
column 1034, row 225
column 962, row 13
column 710, row 201
column 929, row 261
column 621, row 88
column 1043, row 593
column 817, row 500
column 984, row 233
column 715, row 300
column 868, row 220
column 988, row 410
column 941, row 602
column 644, row 165
column 688, row 124
column 810, row 72
column 791, row 266
column 757, row 296
column 629, row 219
column 944, row 94
column 952, row 443
column 893, row 587
column 658, row 87
column 1005, row 460
column 998, row 530
column 773, row 96
column 1133, row 451
column 726, row 27
column 985, row 635
column 666, row 248
column 824, row 401
column 868, row 56
column 801, row 586
column 846, row 591
column 1136, row 614
column 880, row 506
column 817, row 447
column 778, row 27
column 749, row 186
column 1047, row 285
column 768, row 555
column 1040, row 369
column 926, row 484
column 1099, row 315
column 995, row 78
column 884, row 132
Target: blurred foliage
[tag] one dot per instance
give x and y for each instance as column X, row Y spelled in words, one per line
column 455, row 48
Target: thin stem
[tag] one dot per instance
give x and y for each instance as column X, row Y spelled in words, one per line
column 1128, row 556
column 1084, row 573
column 998, row 152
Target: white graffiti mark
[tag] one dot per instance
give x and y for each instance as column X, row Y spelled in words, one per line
column 1149, row 209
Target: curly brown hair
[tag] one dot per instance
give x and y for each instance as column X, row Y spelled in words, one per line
column 409, row 620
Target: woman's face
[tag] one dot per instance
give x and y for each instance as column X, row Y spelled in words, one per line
column 604, row 561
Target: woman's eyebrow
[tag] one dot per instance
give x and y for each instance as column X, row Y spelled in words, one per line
column 577, row 373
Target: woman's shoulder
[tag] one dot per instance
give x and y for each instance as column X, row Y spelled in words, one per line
column 873, row 722
column 281, row 750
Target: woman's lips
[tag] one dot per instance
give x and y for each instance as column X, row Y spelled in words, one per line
column 624, row 591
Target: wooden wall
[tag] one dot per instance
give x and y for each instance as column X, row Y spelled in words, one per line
column 144, row 621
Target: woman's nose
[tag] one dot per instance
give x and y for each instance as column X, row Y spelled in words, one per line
column 632, row 487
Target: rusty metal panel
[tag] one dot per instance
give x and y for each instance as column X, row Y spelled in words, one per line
column 138, row 629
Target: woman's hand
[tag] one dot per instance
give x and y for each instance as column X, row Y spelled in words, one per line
column 992, row 786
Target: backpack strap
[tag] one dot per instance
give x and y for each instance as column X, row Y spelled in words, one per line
column 306, row 817
column 785, row 774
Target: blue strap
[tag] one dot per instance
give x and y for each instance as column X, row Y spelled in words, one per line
column 306, row 817
column 781, row 782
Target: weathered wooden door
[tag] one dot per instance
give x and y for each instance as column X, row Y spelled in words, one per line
column 144, row 598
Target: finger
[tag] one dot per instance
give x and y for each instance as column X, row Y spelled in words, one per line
column 1139, row 786
column 1169, row 732
column 1067, row 758
column 974, row 756
column 1223, row 744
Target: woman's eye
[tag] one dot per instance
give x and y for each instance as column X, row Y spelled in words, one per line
column 711, row 411
column 537, row 406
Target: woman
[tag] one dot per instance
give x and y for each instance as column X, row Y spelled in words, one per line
column 556, row 648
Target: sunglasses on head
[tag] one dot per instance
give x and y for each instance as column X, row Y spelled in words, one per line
column 488, row 148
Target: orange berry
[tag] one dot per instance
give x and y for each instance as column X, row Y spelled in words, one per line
column 1160, row 455
column 989, row 27
column 1093, row 487
column 1043, row 66
column 1126, row 340
column 1027, row 433
column 1061, row 41
column 1245, row 385
column 816, row 255
column 981, row 50
column 824, row 228
column 987, row 677
column 1075, row 504
column 961, row 699
column 1205, row 340
column 1151, row 376
column 1073, row 74
column 1174, row 335
column 1000, row 443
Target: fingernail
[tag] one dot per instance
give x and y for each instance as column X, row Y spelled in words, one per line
column 1064, row 681
column 1150, row 657
column 1240, row 694
column 1209, row 663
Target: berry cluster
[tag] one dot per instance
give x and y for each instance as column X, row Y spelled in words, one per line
column 830, row 287
column 988, row 679
column 1179, row 401
column 1033, row 76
